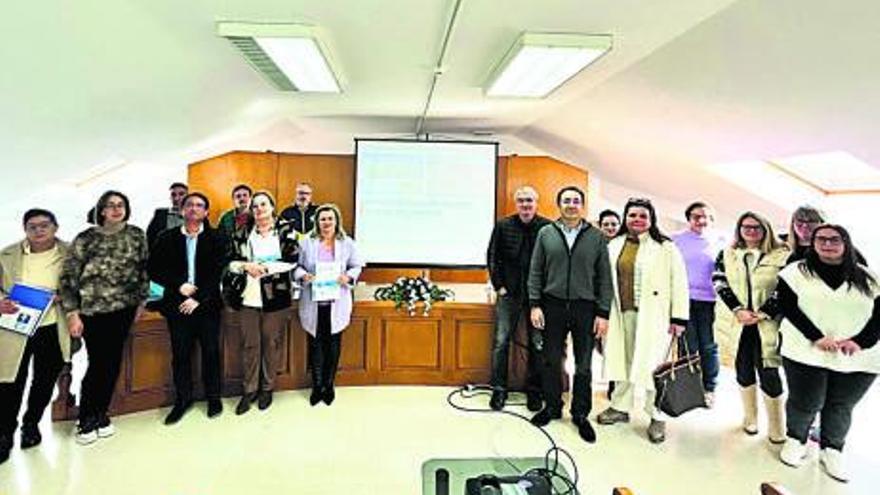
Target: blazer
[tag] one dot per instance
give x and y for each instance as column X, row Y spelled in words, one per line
column 344, row 252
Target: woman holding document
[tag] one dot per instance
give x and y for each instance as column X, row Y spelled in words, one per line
column 329, row 266
column 264, row 254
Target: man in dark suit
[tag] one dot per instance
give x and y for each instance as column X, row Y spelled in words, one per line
column 187, row 262
column 302, row 211
column 167, row 218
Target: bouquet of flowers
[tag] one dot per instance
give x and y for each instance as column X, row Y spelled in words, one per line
column 407, row 291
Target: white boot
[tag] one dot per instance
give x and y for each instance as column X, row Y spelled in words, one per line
column 749, row 397
column 834, row 463
column 793, row 453
column 775, row 419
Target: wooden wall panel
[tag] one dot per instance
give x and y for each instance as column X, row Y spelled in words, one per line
column 151, row 361
column 215, row 177
column 331, row 177
column 546, row 175
column 473, row 344
column 410, row 344
column 354, row 347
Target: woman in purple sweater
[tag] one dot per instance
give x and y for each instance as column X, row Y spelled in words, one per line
column 326, row 301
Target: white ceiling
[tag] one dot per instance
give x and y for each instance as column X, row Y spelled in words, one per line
column 689, row 83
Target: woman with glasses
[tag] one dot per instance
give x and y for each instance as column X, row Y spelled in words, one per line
column 103, row 287
column 329, row 266
column 745, row 277
column 650, row 309
column 265, row 253
column 830, row 306
column 800, row 231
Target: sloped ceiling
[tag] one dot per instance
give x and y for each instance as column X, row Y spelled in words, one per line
column 689, row 83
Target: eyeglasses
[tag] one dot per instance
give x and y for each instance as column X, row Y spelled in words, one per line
column 117, row 206
column 831, row 241
column 752, row 228
column 806, row 223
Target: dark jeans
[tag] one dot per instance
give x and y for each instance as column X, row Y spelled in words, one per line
column 43, row 346
column 561, row 318
column 834, row 394
column 508, row 312
column 185, row 330
column 701, row 338
column 105, row 335
column 749, row 361
column 324, row 350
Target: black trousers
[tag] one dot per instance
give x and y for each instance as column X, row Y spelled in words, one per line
column 43, row 347
column 104, row 335
column 561, row 318
column 324, row 349
column 815, row 390
column 749, row 361
column 508, row 312
column 185, row 331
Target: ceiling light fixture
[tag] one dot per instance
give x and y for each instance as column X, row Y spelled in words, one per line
column 291, row 56
column 537, row 64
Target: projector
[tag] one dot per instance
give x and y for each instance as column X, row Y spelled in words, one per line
column 489, row 484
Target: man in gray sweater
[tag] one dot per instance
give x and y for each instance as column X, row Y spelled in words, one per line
column 569, row 292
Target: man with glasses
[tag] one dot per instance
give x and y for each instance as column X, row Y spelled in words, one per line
column 34, row 261
column 302, row 211
column 508, row 256
column 570, row 291
column 188, row 262
column 167, row 218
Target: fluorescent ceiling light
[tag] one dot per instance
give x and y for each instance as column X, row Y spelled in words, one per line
column 539, row 63
column 832, row 172
column 291, row 56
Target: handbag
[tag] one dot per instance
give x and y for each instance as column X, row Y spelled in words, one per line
column 232, row 288
column 277, row 291
column 679, row 382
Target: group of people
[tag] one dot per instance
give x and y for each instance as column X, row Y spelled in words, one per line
column 807, row 304
column 256, row 262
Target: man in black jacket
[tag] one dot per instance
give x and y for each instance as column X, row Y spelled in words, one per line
column 187, row 262
column 302, row 212
column 167, row 218
column 509, row 254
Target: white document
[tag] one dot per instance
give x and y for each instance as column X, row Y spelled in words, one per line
column 325, row 287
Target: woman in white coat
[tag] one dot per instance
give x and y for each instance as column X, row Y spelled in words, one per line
column 650, row 308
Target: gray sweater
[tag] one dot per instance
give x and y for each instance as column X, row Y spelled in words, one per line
column 582, row 272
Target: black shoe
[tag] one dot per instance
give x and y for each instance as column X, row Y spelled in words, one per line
column 544, row 417
column 177, row 412
column 499, row 397
column 329, row 395
column 585, row 429
column 215, row 407
column 5, row 447
column 265, row 400
column 317, row 395
column 30, row 436
column 534, row 402
column 244, row 405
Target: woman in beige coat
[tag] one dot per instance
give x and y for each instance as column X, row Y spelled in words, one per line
column 650, row 308
column 745, row 278
column 34, row 261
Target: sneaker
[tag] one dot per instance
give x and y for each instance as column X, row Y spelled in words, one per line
column 86, row 432
column 710, row 400
column 657, row 431
column 105, row 427
column 544, row 417
column 30, row 436
column 611, row 416
column 534, row 402
column 499, row 397
column 585, row 429
column 834, row 463
column 215, row 407
column 793, row 453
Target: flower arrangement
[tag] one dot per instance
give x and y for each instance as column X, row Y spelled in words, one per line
column 407, row 291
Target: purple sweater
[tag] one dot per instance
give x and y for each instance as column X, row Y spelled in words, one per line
column 699, row 253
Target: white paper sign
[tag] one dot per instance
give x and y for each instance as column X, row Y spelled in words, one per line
column 325, row 286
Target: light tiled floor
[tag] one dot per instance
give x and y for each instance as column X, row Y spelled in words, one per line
column 374, row 440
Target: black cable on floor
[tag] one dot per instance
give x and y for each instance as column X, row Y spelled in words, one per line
column 550, row 471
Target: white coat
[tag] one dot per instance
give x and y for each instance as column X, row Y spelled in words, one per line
column 661, row 296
